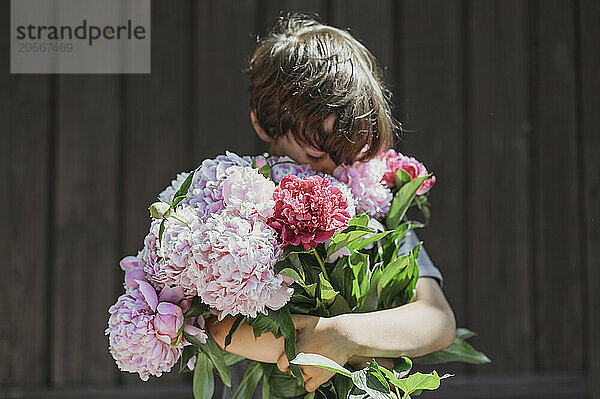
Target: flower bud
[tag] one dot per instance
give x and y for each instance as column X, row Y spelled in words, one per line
column 158, row 210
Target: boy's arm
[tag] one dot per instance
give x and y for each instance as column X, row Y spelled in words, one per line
column 415, row 329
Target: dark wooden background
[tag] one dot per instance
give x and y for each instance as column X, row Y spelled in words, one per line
column 502, row 102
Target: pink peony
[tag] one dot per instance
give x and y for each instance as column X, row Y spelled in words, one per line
column 248, row 193
column 141, row 328
column 234, row 273
column 133, row 267
column 168, row 263
column 410, row 165
column 364, row 179
column 308, row 210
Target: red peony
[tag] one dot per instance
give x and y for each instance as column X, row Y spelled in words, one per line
column 308, row 211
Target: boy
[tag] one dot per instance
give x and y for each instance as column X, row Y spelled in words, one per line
column 316, row 94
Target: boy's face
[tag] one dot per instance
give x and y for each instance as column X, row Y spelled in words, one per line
column 287, row 145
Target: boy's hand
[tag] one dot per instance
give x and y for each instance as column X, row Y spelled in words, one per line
column 322, row 336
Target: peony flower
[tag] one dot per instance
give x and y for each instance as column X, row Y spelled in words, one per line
column 364, row 180
column 204, row 194
column 133, row 267
column 282, row 166
column 410, row 165
column 308, row 211
column 168, row 263
column 142, row 327
column 248, row 193
column 234, row 273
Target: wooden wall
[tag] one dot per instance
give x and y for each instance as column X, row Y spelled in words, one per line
column 499, row 98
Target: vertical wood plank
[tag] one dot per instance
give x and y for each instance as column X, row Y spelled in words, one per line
column 430, row 92
column 557, row 229
column 86, row 228
column 499, row 293
column 25, row 170
column 589, row 143
column 221, row 50
column 157, row 131
column 431, row 52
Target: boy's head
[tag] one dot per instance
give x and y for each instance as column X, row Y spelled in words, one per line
column 317, row 95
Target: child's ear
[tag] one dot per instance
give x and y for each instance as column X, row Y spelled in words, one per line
column 259, row 129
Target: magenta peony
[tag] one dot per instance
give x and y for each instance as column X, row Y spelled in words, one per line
column 143, row 326
column 308, row 210
column 364, row 179
column 234, row 270
column 410, row 165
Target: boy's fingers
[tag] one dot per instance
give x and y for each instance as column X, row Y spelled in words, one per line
column 282, row 363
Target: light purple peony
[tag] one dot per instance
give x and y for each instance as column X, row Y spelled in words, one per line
column 234, row 270
column 141, row 328
column 204, row 194
column 364, row 179
column 281, row 166
column 168, row 264
column 247, row 193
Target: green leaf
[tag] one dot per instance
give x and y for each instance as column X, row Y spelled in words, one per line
column 343, row 239
column 463, row 333
column 375, row 370
column 177, row 200
column 289, row 272
column 401, row 178
column 402, row 366
column 185, row 186
column 358, row 245
column 253, row 374
column 280, row 323
column 459, row 351
column 370, row 384
column 327, row 293
column 313, row 359
column 231, row 359
column 197, row 308
column 265, row 170
column 283, row 385
column 189, row 351
column 204, row 384
column 236, row 323
column 266, row 383
column 402, row 201
column 342, row 385
column 417, row 382
column 216, row 356
column 359, row 220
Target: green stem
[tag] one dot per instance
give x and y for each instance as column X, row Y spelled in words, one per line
column 182, row 221
column 321, row 263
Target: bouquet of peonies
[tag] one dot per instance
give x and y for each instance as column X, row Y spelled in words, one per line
column 261, row 238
